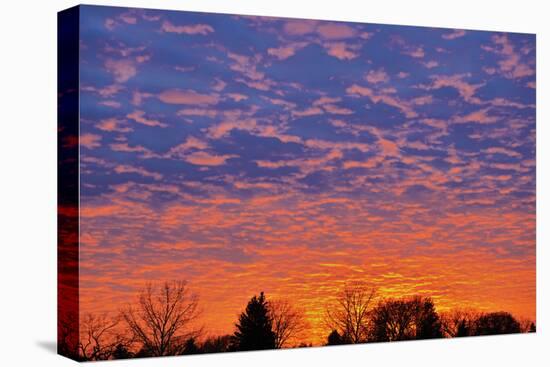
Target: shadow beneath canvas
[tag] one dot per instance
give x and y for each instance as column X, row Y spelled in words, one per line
column 48, row 345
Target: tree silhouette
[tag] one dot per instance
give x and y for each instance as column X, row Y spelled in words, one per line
column 496, row 323
column 428, row 323
column 99, row 338
column 254, row 329
column 122, row 352
column 287, row 322
column 405, row 319
column 334, row 338
column 161, row 321
column 190, row 347
column 350, row 317
column 217, row 344
column 459, row 322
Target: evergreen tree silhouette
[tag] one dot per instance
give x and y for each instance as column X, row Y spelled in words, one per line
column 334, row 338
column 254, row 329
column 428, row 322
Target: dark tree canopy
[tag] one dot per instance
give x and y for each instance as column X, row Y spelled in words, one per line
column 334, row 338
column 496, row 323
column 405, row 319
column 254, row 328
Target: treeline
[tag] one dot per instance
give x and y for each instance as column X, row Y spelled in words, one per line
column 359, row 318
column 162, row 322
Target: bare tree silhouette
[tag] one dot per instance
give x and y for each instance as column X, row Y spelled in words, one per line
column 350, row 317
column 288, row 322
column 459, row 322
column 100, row 338
column 405, row 319
column 161, row 321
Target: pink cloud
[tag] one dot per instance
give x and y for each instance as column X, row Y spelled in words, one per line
column 202, row 29
column 128, row 18
column 422, row 100
column 340, row 50
column 237, row 97
column 284, row 52
column 334, row 31
column 122, row 70
column 138, row 170
column 105, row 92
column 312, row 111
column 110, row 24
column 417, row 52
column 299, row 27
column 190, row 143
column 177, row 96
column 223, row 128
column 139, row 117
column 197, row 112
column 430, row 64
column 124, row 147
column 405, row 107
column 510, row 65
column 110, row 103
column 90, row 141
column 456, row 33
column 466, row 90
column 336, row 110
column 480, row 117
column 138, row 97
column 505, row 151
column 112, row 124
column 377, row 76
column 206, row 159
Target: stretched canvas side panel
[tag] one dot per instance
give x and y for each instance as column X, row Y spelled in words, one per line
column 68, row 182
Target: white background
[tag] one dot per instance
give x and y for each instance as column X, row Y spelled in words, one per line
column 28, row 181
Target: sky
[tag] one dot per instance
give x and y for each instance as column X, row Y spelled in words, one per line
column 246, row 154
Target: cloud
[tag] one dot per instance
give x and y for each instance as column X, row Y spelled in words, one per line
column 138, row 170
column 206, row 159
column 237, row 97
column 112, row 124
column 225, row 127
column 299, row 27
column 340, row 50
column 510, row 65
column 122, row 70
column 202, row 29
column 430, row 64
column 456, row 33
column 90, row 141
column 333, row 31
column 377, row 76
column 501, row 150
column 403, row 106
column 190, row 97
column 110, row 103
column 139, row 117
column 284, row 52
column 465, row 89
column 191, row 143
column 480, row 117
column 312, row 111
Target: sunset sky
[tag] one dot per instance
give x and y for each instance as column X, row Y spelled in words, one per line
column 248, row 154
